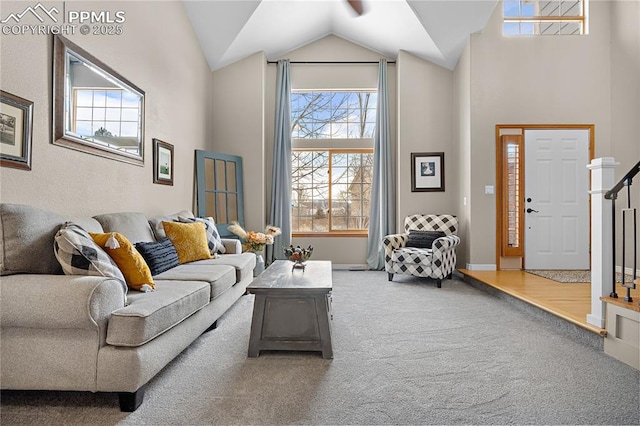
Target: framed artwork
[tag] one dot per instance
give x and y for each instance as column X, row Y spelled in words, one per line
column 427, row 172
column 162, row 162
column 16, row 126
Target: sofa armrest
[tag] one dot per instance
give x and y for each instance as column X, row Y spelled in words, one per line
column 232, row 246
column 59, row 301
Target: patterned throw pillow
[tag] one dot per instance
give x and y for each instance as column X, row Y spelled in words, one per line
column 160, row 256
column 131, row 263
column 78, row 254
column 189, row 239
column 213, row 237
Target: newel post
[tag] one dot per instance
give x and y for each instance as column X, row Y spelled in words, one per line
column 602, row 262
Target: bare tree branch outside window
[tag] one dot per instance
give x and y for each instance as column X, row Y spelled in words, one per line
column 331, row 188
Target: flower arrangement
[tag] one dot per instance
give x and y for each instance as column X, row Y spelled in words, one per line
column 254, row 241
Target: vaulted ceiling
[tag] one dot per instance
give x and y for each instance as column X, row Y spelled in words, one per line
column 435, row 30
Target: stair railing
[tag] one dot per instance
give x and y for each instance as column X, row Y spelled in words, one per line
column 612, row 195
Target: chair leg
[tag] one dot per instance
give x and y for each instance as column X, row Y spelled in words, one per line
column 439, row 283
column 390, row 276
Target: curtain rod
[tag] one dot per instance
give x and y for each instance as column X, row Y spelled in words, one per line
column 332, row 62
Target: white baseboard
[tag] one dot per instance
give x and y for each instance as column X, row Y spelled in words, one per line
column 350, row 266
column 594, row 320
column 628, row 271
column 481, row 266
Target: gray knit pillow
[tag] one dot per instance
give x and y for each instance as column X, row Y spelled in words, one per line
column 423, row 239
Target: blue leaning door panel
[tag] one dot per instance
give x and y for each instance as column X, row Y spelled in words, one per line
column 220, row 189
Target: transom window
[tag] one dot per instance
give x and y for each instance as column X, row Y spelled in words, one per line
column 332, row 161
column 333, row 114
column 539, row 17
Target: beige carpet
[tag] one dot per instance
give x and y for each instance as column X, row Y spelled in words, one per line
column 570, row 276
column 405, row 353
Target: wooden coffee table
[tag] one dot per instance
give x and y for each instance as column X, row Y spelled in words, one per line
column 292, row 309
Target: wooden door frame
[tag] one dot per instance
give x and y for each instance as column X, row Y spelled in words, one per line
column 500, row 168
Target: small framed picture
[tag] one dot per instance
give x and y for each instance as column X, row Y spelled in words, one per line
column 427, row 172
column 16, row 125
column 162, row 162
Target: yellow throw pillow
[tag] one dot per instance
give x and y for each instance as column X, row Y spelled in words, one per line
column 131, row 263
column 189, row 239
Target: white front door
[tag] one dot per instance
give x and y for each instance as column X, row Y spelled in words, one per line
column 556, row 199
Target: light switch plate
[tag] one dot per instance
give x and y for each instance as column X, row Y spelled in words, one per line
column 488, row 189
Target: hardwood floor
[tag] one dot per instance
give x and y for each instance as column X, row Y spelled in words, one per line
column 570, row 301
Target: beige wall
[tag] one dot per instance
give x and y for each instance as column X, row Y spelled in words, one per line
column 462, row 140
column 421, row 103
column 238, row 92
column 425, row 124
column 625, row 96
column 531, row 80
column 167, row 64
column 498, row 80
column 243, row 123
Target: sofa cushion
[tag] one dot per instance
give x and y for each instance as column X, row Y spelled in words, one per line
column 409, row 255
column 189, row 239
column 156, row 222
column 89, row 224
column 27, row 240
column 242, row 262
column 78, row 254
column 151, row 314
column 219, row 277
column 160, row 256
column 129, row 260
column 213, row 237
column 134, row 226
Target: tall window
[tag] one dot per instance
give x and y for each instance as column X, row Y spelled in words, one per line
column 332, row 161
column 539, row 17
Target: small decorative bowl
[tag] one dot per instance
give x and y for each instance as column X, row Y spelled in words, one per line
column 298, row 255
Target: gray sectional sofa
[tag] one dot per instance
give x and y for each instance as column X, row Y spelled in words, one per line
column 83, row 333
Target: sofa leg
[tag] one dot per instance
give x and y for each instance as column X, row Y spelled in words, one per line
column 439, row 283
column 390, row 276
column 130, row 401
column 212, row 326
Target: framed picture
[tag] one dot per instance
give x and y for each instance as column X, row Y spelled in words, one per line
column 16, row 125
column 162, row 162
column 427, row 172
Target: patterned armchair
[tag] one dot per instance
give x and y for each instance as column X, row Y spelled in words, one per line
column 437, row 262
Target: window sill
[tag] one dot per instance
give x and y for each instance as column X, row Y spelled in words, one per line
column 335, row 234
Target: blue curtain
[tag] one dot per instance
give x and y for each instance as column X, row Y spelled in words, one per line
column 382, row 216
column 280, row 210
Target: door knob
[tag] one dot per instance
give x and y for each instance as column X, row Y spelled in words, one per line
column 530, row 210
